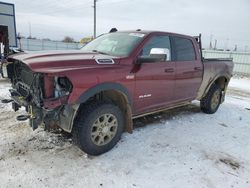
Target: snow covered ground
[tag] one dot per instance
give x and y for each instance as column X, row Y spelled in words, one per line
column 179, row 148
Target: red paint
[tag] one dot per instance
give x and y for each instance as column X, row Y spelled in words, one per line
column 48, row 87
column 167, row 83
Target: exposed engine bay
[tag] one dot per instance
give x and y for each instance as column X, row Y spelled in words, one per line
column 42, row 96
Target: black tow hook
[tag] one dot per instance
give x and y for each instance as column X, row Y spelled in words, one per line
column 5, row 101
column 22, row 117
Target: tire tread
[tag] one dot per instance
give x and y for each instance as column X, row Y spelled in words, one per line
column 82, row 119
column 205, row 102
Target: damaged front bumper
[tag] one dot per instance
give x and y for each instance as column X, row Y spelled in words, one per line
column 44, row 96
column 62, row 116
column 54, row 113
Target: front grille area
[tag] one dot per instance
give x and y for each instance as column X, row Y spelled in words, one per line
column 23, row 89
column 26, row 83
column 26, row 76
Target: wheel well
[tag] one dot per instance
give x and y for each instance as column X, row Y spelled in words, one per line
column 119, row 99
column 222, row 82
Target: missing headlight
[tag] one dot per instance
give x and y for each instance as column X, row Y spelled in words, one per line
column 65, row 83
column 62, row 86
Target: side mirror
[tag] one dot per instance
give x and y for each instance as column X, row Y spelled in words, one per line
column 162, row 53
column 156, row 55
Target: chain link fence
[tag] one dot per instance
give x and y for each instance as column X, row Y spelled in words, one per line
column 241, row 59
column 36, row 45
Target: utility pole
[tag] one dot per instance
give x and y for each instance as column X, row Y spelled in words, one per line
column 211, row 41
column 30, row 30
column 226, row 44
column 235, row 47
column 215, row 44
column 95, row 18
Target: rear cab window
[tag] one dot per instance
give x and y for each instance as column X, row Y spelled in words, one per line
column 184, row 49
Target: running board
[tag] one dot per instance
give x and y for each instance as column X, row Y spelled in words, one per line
column 160, row 110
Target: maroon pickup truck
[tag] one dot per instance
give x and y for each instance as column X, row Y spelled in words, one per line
column 95, row 92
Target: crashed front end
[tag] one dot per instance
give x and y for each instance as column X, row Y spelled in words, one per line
column 44, row 96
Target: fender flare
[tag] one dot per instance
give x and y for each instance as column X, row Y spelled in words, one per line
column 66, row 121
column 213, row 81
column 104, row 87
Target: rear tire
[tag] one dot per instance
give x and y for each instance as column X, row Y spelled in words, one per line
column 211, row 102
column 98, row 127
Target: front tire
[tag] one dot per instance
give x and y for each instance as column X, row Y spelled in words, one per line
column 211, row 102
column 98, row 127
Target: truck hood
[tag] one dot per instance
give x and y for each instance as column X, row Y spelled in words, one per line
column 58, row 61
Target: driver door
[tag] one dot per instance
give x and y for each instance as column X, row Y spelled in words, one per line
column 155, row 81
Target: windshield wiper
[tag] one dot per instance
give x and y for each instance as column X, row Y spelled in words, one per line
column 100, row 52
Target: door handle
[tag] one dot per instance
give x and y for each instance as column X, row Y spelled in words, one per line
column 169, row 70
column 197, row 68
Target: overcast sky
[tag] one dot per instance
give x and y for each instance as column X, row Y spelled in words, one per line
column 228, row 21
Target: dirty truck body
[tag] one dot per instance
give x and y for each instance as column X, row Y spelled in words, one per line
column 95, row 92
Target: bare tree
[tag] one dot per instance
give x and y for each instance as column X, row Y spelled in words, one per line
column 68, row 39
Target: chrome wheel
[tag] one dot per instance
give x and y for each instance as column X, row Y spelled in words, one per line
column 215, row 99
column 104, row 129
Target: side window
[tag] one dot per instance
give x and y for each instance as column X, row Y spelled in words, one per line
column 184, row 49
column 157, row 42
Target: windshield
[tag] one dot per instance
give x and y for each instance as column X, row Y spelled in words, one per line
column 116, row 44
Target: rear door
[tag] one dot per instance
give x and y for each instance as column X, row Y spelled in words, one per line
column 188, row 69
column 154, row 80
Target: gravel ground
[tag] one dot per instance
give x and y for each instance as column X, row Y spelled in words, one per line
column 178, row 148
